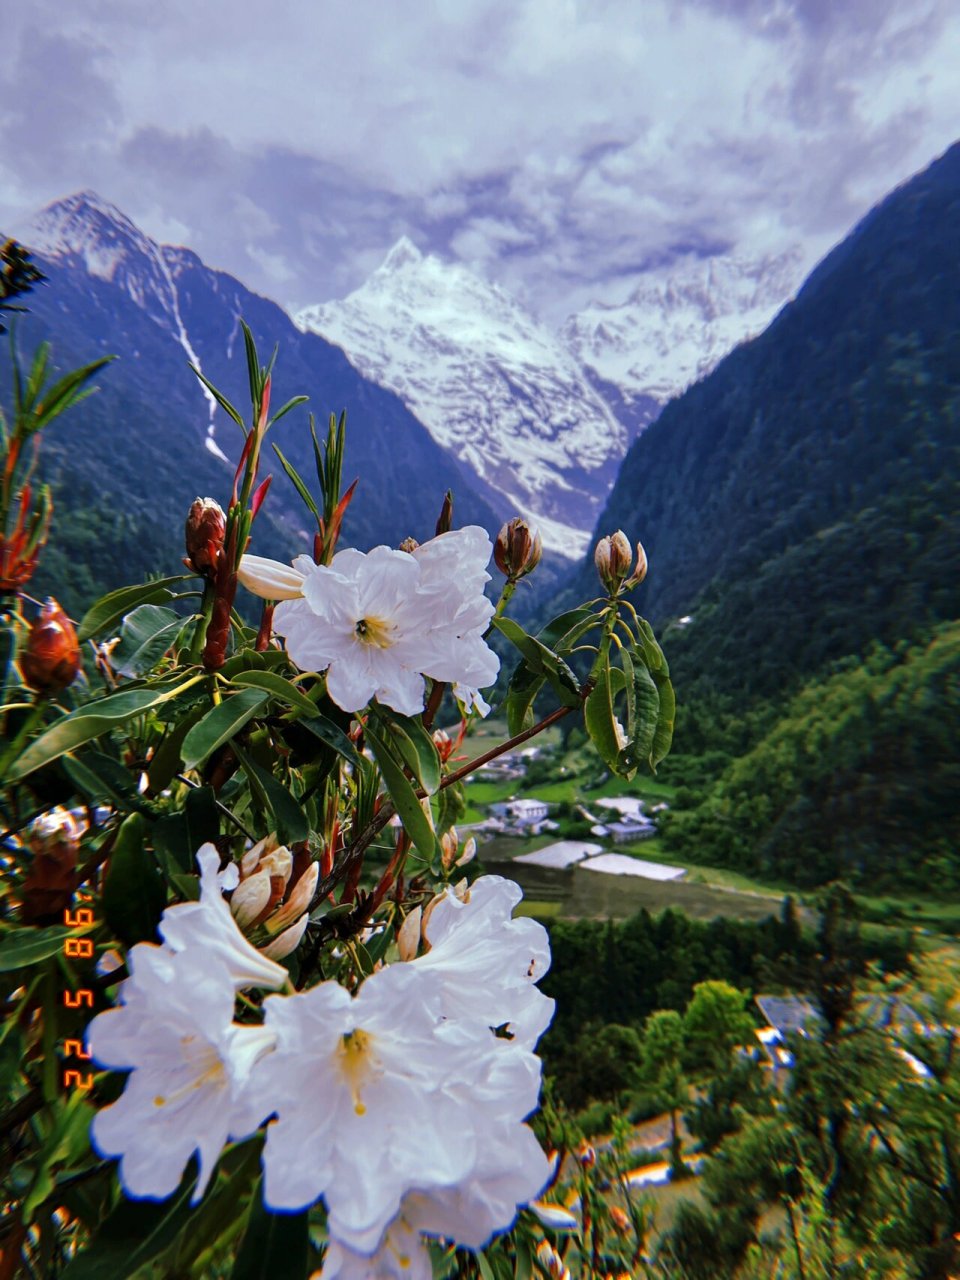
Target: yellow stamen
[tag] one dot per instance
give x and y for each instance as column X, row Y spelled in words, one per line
column 354, row 1053
column 377, row 632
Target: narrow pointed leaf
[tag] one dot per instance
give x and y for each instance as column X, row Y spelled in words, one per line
column 281, row 688
column 88, row 722
column 298, row 483
column 416, row 748
column 415, row 821
column 275, row 1246
column 292, row 824
column 220, row 724
column 333, row 736
column 221, row 400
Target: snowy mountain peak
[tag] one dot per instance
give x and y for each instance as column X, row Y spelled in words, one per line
column 404, row 253
column 489, row 382
column 673, row 329
column 89, row 232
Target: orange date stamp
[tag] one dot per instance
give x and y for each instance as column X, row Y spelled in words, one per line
column 77, row 949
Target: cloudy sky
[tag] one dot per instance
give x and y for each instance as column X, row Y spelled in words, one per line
column 561, row 147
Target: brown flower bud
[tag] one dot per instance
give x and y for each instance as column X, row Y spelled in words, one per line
column 47, row 890
column 445, row 518
column 613, row 559
column 203, row 534
column 51, row 658
column 640, row 570
column 518, row 549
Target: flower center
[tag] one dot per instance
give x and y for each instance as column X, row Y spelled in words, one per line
column 353, row 1052
column 207, row 1065
column 377, row 632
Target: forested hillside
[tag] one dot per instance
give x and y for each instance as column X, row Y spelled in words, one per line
column 801, row 511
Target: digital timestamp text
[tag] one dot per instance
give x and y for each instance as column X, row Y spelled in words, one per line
column 82, row 998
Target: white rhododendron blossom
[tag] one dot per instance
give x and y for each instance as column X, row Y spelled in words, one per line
column 207, row 929
column 379, row 622
column 402, row 1255
column 389, row 1117
column 189, row 1064
column 488, row 962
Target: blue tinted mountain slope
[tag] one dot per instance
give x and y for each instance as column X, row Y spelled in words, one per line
column 129, row 461
column 802, row 500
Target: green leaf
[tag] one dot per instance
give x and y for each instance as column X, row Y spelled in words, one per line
column 522, row 691
column 221, row 400
column 543, row 661
column 298, row 483
column 663, row 734
column 134, row 1234
column 333, row 736
column 292, row 825
column 652, row 653
column 134, row 894
column 275, row 1245
column 486, row 1270
column 178, row 836
column 147, row 633
column 643, row 707
column 415, row 821
column 599, row 720
column 416, row 748
column 451, row 806
column 285, row 409
column 66, row 1146
column 220, row 724
column 24, row 946
column 111, row 607
column 562, row 633
column 87, row 722
column 100, row 777
column 281, row 688
column 167, row 757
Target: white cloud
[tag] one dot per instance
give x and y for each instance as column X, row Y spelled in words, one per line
column 564, row 144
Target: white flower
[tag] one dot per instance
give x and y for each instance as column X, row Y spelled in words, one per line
column 511, row 1169
column 207, row 929
column 189, row 1066
column 379, row 622
column 486, row 961
column 402, row 1255
column 378, row 1095
column 269, row 579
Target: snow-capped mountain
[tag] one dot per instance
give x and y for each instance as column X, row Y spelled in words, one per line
column 489, row 382
column 672, row 331
column 112, row 289
column 88, row 232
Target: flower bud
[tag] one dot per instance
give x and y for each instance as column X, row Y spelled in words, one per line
column 48, row 888
column 613, row 559
column 445, row 518
column 587, row 1155
column 640, row 571
column 409, row 545
column 619, row 1219
column 51, row 658
column 518, row 549
column 269, row 579
column 203, row 535
column 444, row 744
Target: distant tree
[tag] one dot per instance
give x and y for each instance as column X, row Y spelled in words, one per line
column 716, row 1021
